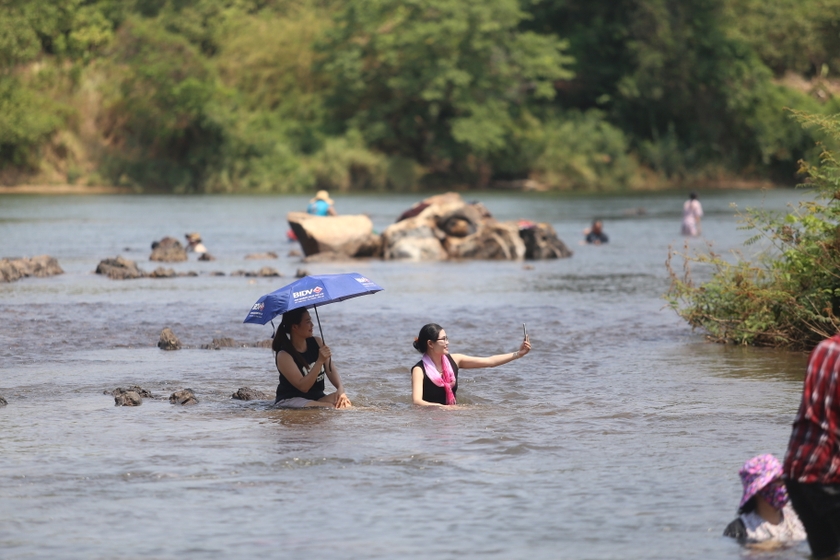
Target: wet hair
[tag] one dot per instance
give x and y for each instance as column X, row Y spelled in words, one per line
column 692, row 196
column 427, row 333
column 749, row 506
column 282, row 340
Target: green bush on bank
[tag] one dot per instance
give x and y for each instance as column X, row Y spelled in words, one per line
column 790, row 296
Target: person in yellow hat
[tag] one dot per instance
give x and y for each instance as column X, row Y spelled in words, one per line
column 321, row 205
column 194, row 243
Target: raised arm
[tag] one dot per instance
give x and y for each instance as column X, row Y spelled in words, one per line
column 472, row 362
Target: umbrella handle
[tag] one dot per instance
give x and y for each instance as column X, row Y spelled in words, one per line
column 315, row 307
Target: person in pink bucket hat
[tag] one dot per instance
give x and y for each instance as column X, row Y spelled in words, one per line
column 766, row 518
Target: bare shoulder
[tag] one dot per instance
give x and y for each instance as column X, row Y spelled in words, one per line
column 458, row 358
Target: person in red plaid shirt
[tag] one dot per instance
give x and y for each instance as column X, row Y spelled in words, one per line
column 812, row 461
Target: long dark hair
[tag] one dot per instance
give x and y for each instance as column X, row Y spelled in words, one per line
column 427, row 333
column 282, row 338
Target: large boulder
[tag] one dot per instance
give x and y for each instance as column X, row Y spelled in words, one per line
column 345, row 235
column 119, row 268
column 415, row 239
column 168, row 249
column 492, row 241
column 541, row 242
column 39, row 267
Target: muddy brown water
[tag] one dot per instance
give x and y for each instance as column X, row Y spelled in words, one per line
column 619, row 436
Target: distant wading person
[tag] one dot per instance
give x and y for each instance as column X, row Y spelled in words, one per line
column 303, row 361
column 692, row 212
column 434, row 379
column 321, row 205
column 595, row 234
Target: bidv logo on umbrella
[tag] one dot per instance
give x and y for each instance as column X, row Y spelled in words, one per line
column 313, row 295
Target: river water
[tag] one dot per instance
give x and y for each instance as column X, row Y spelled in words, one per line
column 619, row 436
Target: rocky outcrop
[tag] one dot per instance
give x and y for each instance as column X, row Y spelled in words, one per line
column 168, row 340
column 184, row 396
column 119, row 268
column 135, row 388
column 168, row 249
column 492, row 240
column 414, row 239
column 227, row 342
column 219, row 343
column 445, row 227
column 161, row 272
column 248, row 394
column 541, row 242
column 12, row 269
column 350, row 235
column 128, row 398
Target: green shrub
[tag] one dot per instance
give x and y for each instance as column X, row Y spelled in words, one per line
column 789, row 296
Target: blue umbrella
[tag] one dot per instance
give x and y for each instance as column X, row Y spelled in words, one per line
column 310, row 291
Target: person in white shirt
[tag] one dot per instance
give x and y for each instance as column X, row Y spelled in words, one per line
column 766, row 518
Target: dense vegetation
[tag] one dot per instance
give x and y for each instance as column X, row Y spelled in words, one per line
column 291, row 95
column 789, row 295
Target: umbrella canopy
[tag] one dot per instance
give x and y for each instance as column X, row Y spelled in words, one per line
column 310, row 291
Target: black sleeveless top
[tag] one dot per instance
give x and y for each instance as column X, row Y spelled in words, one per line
column 285, row 390
column 433, row 393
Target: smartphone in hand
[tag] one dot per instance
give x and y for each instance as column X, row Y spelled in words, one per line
column 524, row 332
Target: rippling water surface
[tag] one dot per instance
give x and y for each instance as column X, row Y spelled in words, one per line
column 619, row 436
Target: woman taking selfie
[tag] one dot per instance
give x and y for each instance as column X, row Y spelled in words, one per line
column 434, row 379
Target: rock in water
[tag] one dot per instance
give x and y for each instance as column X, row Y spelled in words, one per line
column 344, row 235
column 168, row 340
column 127, row 398
column 248, row 394
column 119, row 268
column 168, row 249
column 184, row 396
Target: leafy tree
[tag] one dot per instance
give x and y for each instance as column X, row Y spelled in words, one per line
column 789, row 296
column 161, row 120
column 438, row 81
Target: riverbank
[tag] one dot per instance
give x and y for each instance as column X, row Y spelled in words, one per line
column 63, row 189
column 524, row 186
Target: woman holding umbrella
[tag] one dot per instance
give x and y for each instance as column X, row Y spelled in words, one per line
column 303, row 361
column 434, row 379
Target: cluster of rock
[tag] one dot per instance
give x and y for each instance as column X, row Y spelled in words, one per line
column 134, row 395
column 168, row 341
column 170, row 249
column 12, row 269
column 438, row 228
column 121, row 268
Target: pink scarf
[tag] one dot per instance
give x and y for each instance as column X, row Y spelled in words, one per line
column 447, row 380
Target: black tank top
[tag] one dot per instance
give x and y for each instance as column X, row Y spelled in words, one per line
column 285, row 390
column 433, row 393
